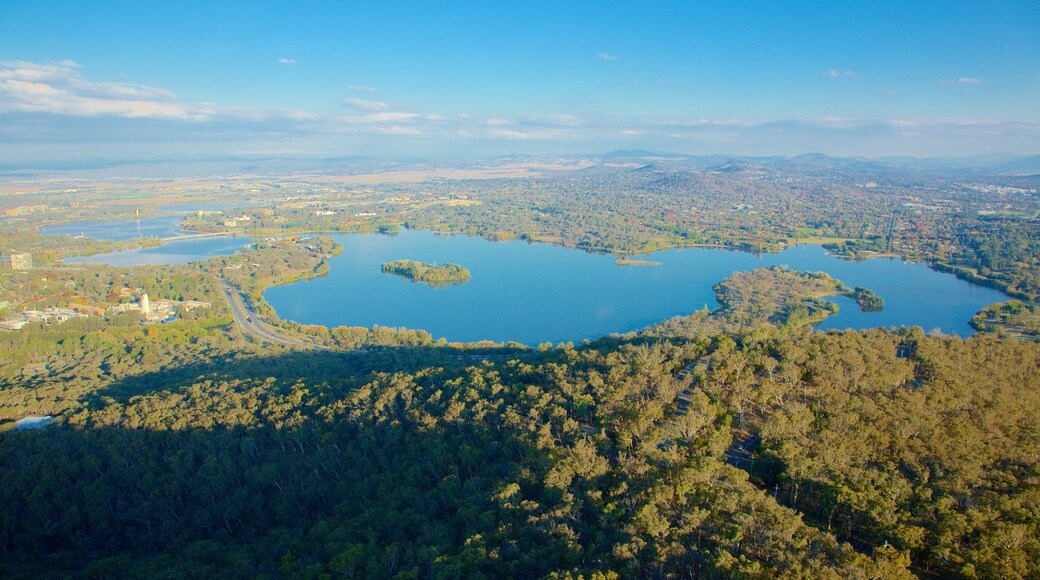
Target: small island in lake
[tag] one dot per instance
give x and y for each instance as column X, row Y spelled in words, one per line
column 431, row 275
column 619, row 261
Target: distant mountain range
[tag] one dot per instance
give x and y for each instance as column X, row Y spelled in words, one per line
column 821, row 163
column 634, row 159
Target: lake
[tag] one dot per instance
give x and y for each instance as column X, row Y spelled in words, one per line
column 180, row 252
column 163, row 226
column 533, row 293
column 118, row 230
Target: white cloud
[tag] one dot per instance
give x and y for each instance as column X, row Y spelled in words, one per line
column 398, row 130
column 533, row 134
column 59, row 88
column 362, row 89
column 963, row 81
column 606, row 56
column 510, row 134
column 55, row 105
column 838, row 74
column 387, row 117
column 366, row 105
column 284, row 60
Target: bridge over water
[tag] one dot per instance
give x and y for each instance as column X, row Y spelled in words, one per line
column 196, row 236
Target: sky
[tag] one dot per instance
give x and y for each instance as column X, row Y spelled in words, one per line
column 142, row 80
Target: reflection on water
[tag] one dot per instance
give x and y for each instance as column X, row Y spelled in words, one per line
column 163, row 226
column 180, row 252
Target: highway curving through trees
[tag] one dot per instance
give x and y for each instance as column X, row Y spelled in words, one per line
column 252, row 325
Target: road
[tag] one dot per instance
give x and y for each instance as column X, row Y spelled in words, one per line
column 740, row 453
column 197, row 236
column 683, row 399
column 252, row 325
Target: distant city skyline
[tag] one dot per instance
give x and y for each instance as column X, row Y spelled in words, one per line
column 121, row 80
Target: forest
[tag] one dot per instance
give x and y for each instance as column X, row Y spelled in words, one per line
column 189, row 449
column 734, row 443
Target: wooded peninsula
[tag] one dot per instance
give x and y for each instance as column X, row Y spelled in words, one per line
column 867, row 300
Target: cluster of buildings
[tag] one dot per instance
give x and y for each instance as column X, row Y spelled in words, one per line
column 24, row 210
column 159, row 311
column 235, row 221
column 49, row 315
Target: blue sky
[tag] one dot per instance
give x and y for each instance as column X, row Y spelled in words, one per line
column 102, row 79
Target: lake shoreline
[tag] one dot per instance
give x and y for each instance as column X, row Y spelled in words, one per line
column 451, row 315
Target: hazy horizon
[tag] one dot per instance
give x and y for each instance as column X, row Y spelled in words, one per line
column 471, row 80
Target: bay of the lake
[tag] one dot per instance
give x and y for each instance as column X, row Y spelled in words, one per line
column 534, row 293
column 180, row 252
column 162, row 226
column 118, row 230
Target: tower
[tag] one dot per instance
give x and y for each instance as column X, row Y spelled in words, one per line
column 145, row 307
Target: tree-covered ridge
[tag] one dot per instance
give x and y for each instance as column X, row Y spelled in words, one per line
column 465, row 472
column 208, row 454
column 938, row 456
column 598, row 459
column 432, row 275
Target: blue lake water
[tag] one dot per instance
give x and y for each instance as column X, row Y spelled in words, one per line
column 180, row 252
column 163, row 226
column 534, row 293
